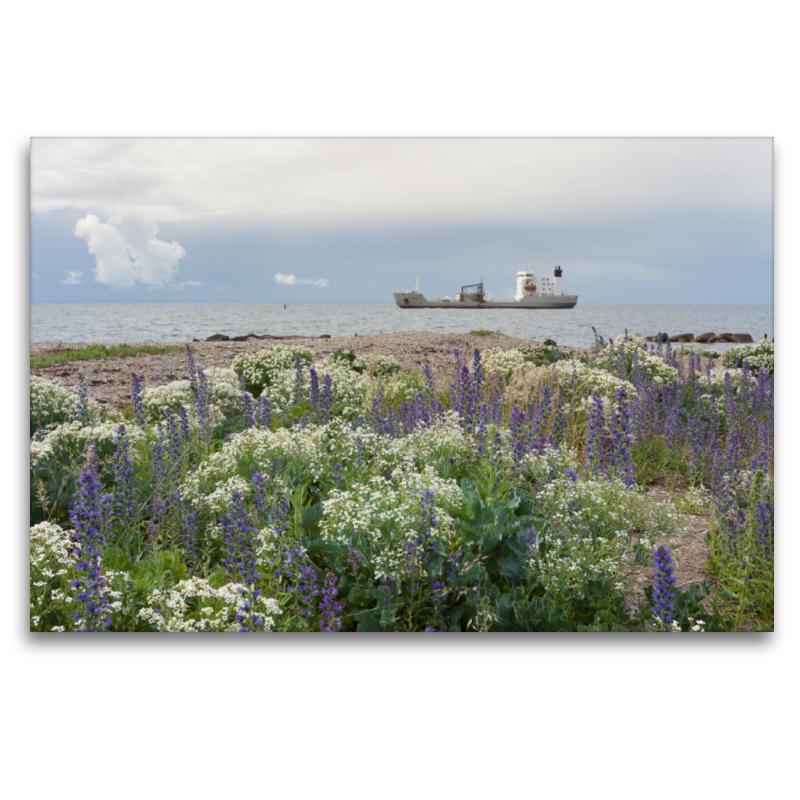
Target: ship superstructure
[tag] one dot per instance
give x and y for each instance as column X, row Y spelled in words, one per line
column 532, row 292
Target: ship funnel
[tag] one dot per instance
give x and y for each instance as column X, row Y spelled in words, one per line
column 557, row 272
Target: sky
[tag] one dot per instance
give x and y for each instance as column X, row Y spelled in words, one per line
column 678, row 220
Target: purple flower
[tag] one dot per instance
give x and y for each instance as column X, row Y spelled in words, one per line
column 123, row 477
column 597, row 438
column 329, row 606
column 91, row 517
column 136, row 397
column 241, row 539
column 174, row 438
column 313, row 391
column 664, row 583
column 83, row 402
column 326, row 400
column 264, row 412
column 438, row 593
column 298, row 394
column 621, row 437
column 186, row 434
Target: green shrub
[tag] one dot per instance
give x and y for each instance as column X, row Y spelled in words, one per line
column 262, row 368
column 760, row 355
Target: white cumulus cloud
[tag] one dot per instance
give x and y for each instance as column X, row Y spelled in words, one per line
column 290, row 279
column 73, row 277
column 127, row 251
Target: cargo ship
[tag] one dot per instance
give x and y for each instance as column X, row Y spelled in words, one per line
column 532, row 292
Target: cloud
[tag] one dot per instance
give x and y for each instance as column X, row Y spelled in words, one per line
column 290, row 279
column 127, row 251
column 73, row 278
column 327, row 182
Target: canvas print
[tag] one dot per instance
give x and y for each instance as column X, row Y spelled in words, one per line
column 430, row 385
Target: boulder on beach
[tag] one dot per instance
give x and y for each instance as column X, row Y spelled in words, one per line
column 742, row 338
column 682, row 337
column 218, row 337
column 703, row 338
column 245, row 337
column 662, row 336
column 325, row 336
column 726, row 337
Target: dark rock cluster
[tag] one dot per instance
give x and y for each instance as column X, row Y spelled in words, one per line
column 221, row 337
column 703, row 338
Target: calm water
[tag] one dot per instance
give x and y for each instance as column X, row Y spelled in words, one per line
column 136, row 322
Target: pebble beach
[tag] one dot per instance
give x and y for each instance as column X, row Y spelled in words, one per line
column 108, row 380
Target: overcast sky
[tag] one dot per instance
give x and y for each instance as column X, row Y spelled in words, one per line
column 338, row 220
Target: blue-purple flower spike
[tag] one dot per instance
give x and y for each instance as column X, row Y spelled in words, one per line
column 663, row 593
column 136, row 396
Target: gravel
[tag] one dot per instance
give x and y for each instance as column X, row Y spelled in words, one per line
column 108, row 380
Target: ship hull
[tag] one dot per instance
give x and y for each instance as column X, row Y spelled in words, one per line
column 529, row 303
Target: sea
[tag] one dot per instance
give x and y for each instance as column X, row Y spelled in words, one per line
column 107, row 323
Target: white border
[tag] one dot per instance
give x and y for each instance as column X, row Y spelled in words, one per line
column 566, row 715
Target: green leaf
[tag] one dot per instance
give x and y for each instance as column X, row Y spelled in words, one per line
column 312, row 515
column 512, row 568
column 368, row 623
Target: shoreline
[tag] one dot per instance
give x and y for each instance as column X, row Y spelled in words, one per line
column 108, row 380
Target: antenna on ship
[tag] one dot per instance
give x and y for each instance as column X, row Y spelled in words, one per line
column 416, row 285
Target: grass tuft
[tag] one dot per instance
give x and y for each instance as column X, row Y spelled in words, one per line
column 99, row 351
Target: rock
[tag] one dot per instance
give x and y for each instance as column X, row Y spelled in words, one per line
column 549, row 342
column 245, row 338
column 726, row 337
column 716, row 339
column 195, row 340
column 325, row 336
column 742, row 338
column 682, row 337
column 664, row 337
column 218, row 337
column 705, row 337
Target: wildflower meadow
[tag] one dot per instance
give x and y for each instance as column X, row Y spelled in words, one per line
column 506, row 492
